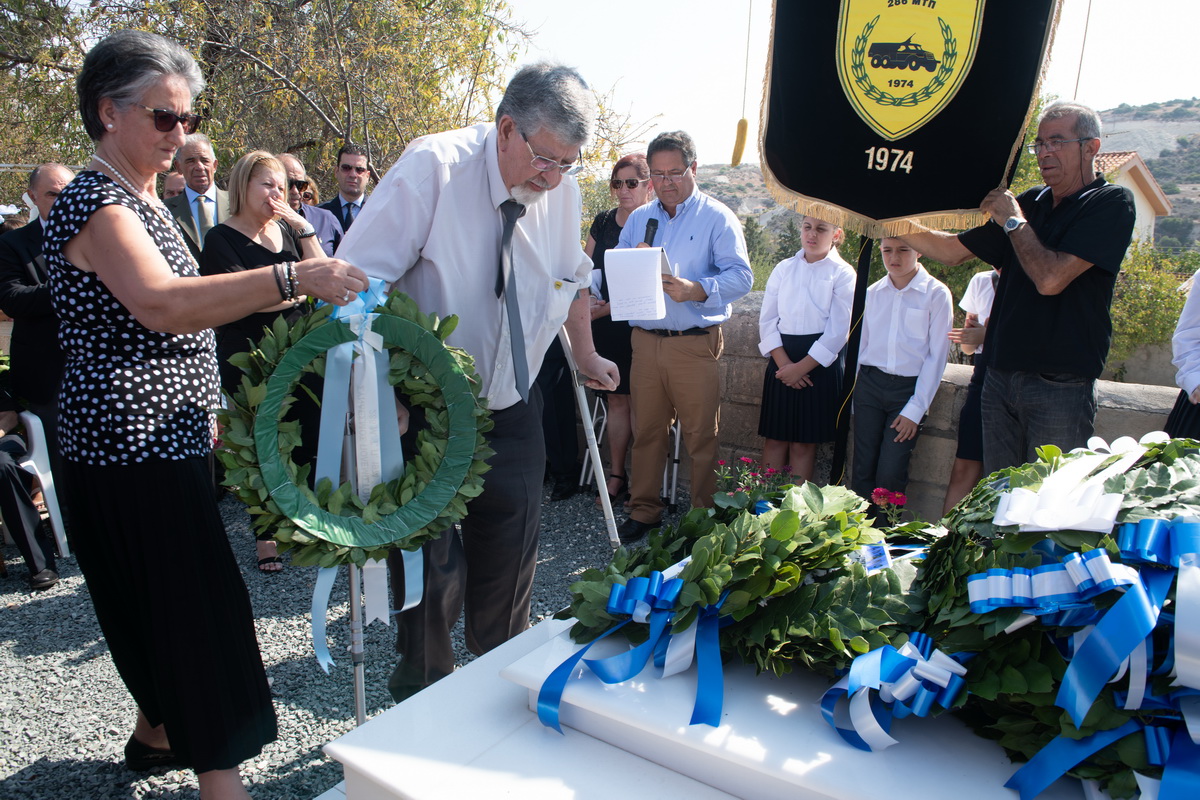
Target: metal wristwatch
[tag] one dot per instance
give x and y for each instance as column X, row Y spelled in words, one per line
column 1012, row 223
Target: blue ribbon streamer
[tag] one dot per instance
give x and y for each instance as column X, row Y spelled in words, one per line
column 320, row 609
column 710, row 677
column 1053, row 760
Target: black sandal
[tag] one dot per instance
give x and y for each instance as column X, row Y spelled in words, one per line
column 141, row 757
column 262, row 562
column 621, row 490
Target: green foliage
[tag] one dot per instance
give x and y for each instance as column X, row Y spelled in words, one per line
column 788, row 243
column 1147, row 301
column 760, row 249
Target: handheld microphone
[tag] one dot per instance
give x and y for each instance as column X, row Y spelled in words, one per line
column 651, row 230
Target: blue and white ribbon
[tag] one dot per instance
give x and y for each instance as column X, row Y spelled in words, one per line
column 378, row 457
column 650, row 600
column 889, row 683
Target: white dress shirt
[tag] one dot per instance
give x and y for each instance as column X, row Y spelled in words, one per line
column 978, row 298
column 1185, row 344
column 803, row 298
column 904, row 333
column 211, row 194
column 433, row 230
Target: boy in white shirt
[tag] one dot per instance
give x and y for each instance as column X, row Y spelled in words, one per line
column 902, row 356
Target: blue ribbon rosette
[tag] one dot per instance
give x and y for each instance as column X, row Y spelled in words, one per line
column 649, row 600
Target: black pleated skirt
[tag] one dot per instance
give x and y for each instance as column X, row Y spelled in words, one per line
column 1184, row 420
column 172, row 605
column 801, row 415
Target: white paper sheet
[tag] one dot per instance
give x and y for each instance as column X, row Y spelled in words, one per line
column 635, row 282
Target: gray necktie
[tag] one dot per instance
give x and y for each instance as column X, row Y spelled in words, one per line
column 204, row 215
column 506, row 285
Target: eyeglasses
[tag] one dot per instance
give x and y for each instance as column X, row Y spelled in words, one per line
column 165, row 121
column 628, row 183
column 298, row 185
column 307, row 197
column 544, row 164
column 1053, row 145
column 352, row 168
column 673, row 177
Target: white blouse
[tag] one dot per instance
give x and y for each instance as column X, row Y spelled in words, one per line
column 803, row 299
column 1185, row 344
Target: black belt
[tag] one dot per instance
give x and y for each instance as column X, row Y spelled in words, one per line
column 688, row 332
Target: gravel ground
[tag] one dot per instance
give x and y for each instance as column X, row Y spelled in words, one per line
column 65, row 715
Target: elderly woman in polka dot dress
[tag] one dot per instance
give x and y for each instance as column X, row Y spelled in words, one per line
column 135, row 417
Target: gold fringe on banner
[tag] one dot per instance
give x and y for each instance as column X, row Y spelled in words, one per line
column 951, row 219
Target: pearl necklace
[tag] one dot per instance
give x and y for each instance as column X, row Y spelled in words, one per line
column 155, row 204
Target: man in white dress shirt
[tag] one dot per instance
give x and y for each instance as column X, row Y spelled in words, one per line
column 202, row 205
column 435, row 228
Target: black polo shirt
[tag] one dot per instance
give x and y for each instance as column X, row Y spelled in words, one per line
column 1069, row 332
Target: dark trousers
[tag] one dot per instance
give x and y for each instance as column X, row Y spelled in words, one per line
column 20, row 516
column 485, row 567
column 555, row 382
column 879, row 460
column 1024, row 410
column 48, row 414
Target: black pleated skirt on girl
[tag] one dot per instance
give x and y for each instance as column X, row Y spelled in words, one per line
column 801, row 415
column 1184, row 420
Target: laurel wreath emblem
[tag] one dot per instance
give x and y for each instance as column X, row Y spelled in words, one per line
column 872, row 92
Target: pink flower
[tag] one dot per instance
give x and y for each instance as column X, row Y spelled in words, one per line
column 898, row 498
column 880, row 496
column 721, row 462
column 746, row 460
column 771, row 470
column 787, row 469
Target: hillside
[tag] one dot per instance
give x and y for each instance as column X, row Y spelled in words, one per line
column 1166, row 135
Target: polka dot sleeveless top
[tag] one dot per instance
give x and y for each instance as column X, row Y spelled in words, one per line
column 129, row 394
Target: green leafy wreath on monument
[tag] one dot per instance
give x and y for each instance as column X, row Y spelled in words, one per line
column 332, row 525
column 873, row 92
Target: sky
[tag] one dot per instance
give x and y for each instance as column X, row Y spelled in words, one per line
column 680, row 63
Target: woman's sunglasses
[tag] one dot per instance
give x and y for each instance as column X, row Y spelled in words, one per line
column 629, row 183
column 165, row 121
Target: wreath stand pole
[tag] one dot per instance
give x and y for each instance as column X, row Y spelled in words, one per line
column 589, row 432
column 356, row 648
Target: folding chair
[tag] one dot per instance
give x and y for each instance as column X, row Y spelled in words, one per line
column 37, row 462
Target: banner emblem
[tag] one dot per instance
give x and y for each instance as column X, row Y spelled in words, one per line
column 901, row 61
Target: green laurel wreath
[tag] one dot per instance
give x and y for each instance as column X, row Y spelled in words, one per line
column 331, row 526
column 859, row 71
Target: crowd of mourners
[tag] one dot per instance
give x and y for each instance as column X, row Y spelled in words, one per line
column 128, row 305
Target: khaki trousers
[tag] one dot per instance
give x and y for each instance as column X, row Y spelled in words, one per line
column 674, row 376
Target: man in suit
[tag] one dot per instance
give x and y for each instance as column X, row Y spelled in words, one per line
column 328, row 227
column 37, row 360
column 353, row 177
column 173, row 184
column 202, row 204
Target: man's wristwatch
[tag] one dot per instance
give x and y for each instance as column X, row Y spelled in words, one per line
column 1012, row 223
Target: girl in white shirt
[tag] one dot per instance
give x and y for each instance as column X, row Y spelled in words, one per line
column 803, row 326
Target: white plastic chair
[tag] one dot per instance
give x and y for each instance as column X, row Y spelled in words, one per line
column 37, row 462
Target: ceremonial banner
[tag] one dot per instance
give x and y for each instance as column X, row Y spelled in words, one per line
column 880, row 111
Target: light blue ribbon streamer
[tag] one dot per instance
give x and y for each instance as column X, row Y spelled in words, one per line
column 334, row 407
column 320, row 609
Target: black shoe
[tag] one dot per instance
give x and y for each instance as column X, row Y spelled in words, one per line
column 43, row 580
column 632, row 531
column 141, row 757
column 562, row 489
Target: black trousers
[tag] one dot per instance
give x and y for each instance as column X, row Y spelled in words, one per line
column 20, row 516
column 879, row 460
column 484, row 567
column 559, row 427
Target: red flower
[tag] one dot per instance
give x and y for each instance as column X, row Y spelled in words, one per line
column 881, row 496
column 898, row 498
column 721, row 462
column 746, row 460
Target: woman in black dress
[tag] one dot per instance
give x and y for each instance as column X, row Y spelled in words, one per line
column 262, row 230
column 630, row 187
column 135, row 411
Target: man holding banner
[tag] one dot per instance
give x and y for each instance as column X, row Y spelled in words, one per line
column 1059, row 248
column 483, row 222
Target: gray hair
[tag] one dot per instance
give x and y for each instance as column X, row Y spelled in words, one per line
column 123, row 66
column 194, row 139
column 678, row 141
column 550, row 96
column 36, row 172
column 1087, row 121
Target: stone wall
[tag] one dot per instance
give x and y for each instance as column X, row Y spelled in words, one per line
column 1125, row 409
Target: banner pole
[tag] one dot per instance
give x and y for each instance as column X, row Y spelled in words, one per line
column 837, row 469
